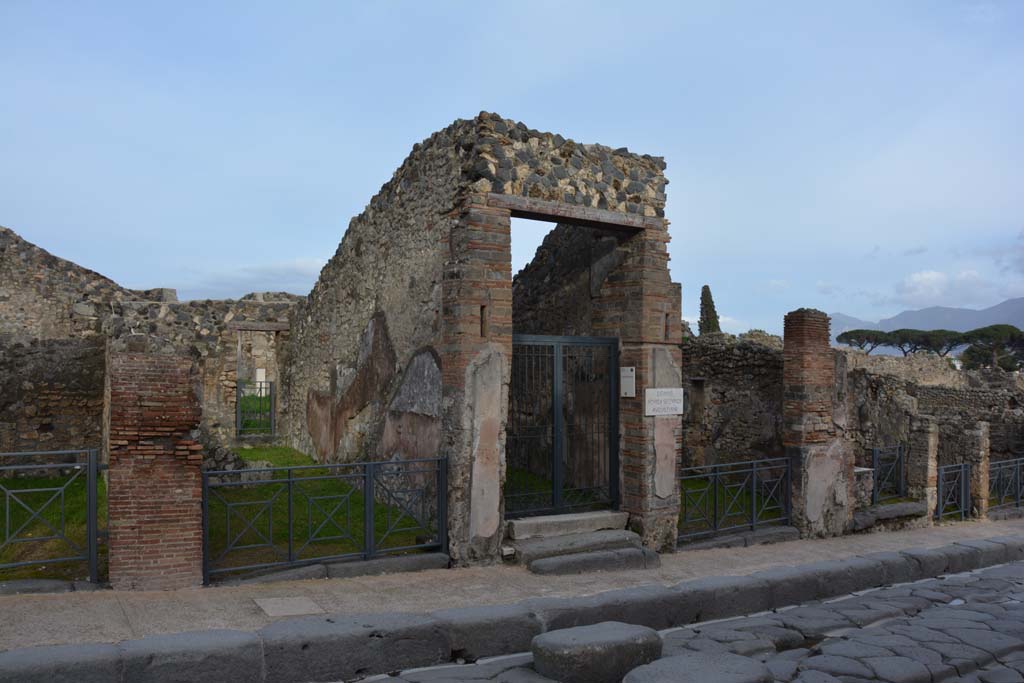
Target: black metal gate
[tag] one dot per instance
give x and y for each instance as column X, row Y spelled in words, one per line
column 255, row 406
column 562, row 444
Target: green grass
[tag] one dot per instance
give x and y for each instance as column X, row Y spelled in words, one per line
column 316, row 514
column 328, row 512
column 29, row 544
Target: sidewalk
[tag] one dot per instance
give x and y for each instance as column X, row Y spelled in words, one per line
column 111, row 616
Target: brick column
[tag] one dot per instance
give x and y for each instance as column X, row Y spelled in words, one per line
column 978, row 446
column 154, row 481
column 821, row 464
column 476, row 352
column 641, row 305
column 923, row 462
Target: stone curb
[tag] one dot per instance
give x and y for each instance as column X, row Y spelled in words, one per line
column 344, row 570
column 309, row 648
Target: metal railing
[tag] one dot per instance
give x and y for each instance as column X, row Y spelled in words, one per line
column 954, row 492
column 890, row 482
column 255, row 408
column 1005, row 483
column 719, row 498
column 38, row 488
column 291, row 516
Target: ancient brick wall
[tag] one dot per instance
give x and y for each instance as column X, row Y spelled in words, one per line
column 51, row 395
column 154, row 481
column 735, row 390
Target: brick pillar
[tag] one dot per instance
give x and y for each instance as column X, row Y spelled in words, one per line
column 476, row 352
column 154, row 481
column 641, row 305
column 821, row 464
column 923, row 462
column 978, row 446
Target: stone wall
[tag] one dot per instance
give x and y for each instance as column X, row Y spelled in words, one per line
column 46, row 297
column 217, row 334
column 51, row 395
column 735, row 390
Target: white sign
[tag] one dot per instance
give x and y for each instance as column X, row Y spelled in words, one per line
column 627, row 382
column 664, row 401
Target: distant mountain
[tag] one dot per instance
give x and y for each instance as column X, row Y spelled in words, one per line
column 1009, row 312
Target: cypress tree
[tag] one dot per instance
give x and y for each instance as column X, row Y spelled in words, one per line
column 708, row 323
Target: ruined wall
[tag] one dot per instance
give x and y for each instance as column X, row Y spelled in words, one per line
column 46, row 297
column 372, row 319
column 735, row 400
column 51, row 395
column 206, row 331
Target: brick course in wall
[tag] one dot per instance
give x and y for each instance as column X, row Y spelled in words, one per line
column 154, row 481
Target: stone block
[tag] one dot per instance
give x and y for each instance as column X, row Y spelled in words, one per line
column 340, row 647
column 601, row 560
column 900, row 510
column 560, row 525
column 701, row 667
column 719, row 597
column 388, row 565
column 992, row 553
column 653, row 606
column 539, row 548
column 896, row 567
column 1014, row 546
column 600, row 653
column 488, row 631
column 961, row 558
column 216, row 656
column 931, row 561
column 88, row 663
column 791, row 585
column 774, row 534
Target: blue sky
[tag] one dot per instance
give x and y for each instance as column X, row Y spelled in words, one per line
column 857, row 157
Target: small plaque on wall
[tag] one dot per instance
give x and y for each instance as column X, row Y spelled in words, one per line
column 627, row 382
column 664, row 402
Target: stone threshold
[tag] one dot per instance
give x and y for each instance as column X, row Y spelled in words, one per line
column 307, row 648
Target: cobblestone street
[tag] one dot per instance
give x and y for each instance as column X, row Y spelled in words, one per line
column 964, row 627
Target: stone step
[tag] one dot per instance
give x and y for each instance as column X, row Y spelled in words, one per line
column 538, row 548
column 597, row 561
column 561, row 525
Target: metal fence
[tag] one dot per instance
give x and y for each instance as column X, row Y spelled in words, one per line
column 719, row 498
column 290, row 516
column 954, row 486
column 1004, row 483
column 49, row 509
column 255, row 408
column 890, row 481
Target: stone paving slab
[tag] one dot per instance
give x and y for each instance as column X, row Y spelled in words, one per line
column 112, row 616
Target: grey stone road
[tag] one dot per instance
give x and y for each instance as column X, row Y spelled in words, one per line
column 964, row 627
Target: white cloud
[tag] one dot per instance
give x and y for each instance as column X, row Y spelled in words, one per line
column 296, row 276
column 937, row 288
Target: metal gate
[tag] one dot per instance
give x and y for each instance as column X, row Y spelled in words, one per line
column 562, row 444
column 48, row 509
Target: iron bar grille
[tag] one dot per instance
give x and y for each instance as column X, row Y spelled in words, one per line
column 890, row 481
column 48, row 512
column 1004, row 483
column 716, row 499
column 954, row 491
column 255, row 408
column 562, row 434
column 290, row 516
